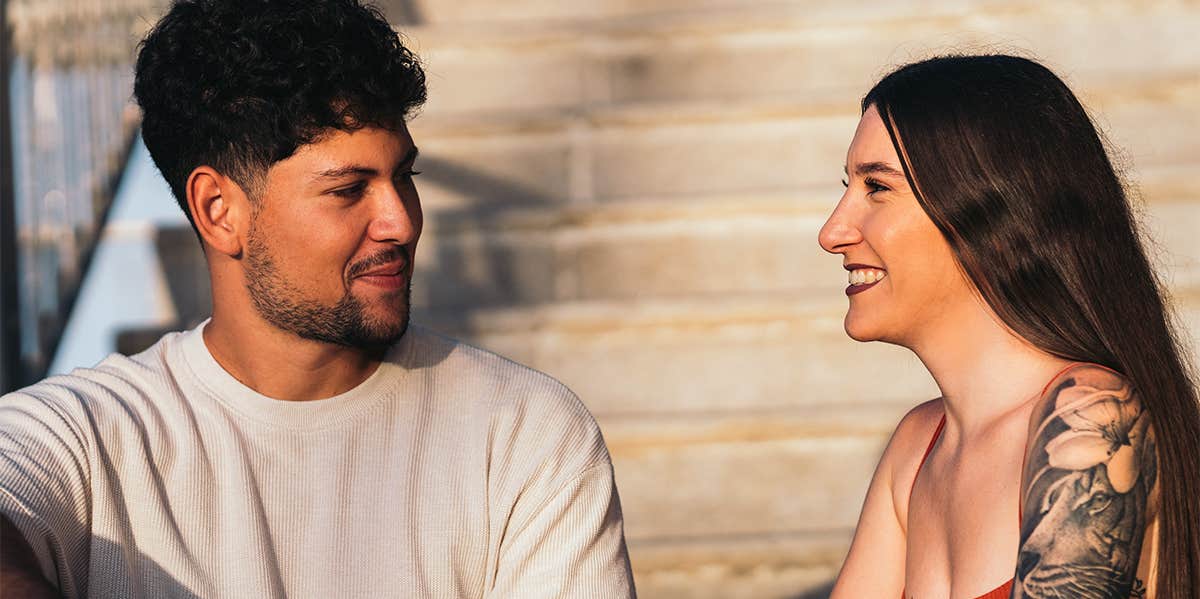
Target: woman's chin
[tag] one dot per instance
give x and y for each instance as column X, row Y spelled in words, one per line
column 860, row 330
column 864, row 327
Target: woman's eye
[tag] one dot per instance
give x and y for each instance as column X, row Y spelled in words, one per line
column 875, row 186
column 845, row 183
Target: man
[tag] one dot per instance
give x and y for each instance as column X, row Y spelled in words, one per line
column 305, row 441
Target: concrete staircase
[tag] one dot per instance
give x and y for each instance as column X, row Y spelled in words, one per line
column 626, row 195
column 649, row 181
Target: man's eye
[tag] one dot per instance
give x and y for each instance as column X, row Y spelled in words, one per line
column 353, row 191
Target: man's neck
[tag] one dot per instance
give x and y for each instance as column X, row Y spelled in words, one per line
column 281, row 365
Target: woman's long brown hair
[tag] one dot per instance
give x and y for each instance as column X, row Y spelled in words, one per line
column 1016, row 177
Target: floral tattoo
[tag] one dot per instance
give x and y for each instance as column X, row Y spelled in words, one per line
column 1088, row 477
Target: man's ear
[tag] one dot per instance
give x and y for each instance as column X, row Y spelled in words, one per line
column 220, row 210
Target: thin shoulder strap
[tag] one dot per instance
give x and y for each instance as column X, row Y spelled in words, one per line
column 937, row 433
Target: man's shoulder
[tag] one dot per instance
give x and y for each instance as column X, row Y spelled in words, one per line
column 513, row 396
column 116, row 377
column 461, row 363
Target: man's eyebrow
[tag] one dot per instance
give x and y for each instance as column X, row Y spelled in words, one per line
column 877, row 168
column 345, row 171
column 355, row 169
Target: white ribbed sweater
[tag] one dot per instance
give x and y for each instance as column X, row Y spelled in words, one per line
column 450, row 472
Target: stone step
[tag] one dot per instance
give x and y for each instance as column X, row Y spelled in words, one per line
column 762, row 500
column 749, row 152
column 683, row 151
column 708, row 246
column 479, row 13
column 483, row 16
column 1173, row 227
column 764, row 461
column 1187, row 304
column 720, row 355
column 778, row 565
column 717, row 354
column 790, row 51
column 735, row 248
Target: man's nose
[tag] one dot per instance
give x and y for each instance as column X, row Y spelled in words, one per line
column 397, row 216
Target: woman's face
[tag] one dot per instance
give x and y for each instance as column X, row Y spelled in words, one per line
column 904, row 280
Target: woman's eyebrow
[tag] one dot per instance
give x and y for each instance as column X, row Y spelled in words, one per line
column 877, row 168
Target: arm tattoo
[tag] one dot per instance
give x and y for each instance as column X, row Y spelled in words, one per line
column 1089, row 473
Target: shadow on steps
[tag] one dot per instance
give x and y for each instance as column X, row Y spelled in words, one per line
column 820, row 592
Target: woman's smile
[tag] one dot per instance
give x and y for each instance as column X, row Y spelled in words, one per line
column 862, row 278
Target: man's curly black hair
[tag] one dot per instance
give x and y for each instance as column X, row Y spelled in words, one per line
column 239, row 85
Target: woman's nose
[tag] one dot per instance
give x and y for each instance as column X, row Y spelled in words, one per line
column 840, row 231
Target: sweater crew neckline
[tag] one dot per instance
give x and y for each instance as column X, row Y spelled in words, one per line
column 293, row 415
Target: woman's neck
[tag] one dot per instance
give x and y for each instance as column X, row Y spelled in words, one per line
column 984, row 370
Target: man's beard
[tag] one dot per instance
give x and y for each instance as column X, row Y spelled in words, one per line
column 345, row 323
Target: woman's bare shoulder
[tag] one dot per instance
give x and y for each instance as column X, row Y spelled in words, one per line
column 909, row 442
column 876, row 557
column 917, row 427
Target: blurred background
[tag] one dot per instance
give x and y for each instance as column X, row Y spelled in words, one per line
column 624, row 194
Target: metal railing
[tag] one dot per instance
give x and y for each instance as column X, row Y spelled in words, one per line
column 67, row 84
column 67, row 129
column 10, row 340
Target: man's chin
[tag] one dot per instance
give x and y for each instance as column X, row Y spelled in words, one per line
column 379, row 334
column 374, row 333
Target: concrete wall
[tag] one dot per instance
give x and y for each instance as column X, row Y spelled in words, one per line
column 627, row 195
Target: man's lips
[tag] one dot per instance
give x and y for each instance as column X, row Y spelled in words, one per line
column 389, row 278
column 385, row 263
column 387, row 270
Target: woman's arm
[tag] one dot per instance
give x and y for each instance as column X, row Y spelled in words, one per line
column 1091, row 469
column 874, row 567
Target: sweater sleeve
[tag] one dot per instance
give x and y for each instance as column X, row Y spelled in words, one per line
column 45, row 481
column 571, row 544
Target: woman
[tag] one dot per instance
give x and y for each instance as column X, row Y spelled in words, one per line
column 985, row 229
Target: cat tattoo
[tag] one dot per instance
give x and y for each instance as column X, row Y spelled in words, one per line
column 1092, row 464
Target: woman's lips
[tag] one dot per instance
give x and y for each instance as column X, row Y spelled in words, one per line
column 863, row 277
column 853, row 289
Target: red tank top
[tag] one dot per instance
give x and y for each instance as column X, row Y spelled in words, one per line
column 1004, row 590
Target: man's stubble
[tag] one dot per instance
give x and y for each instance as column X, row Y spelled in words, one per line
column 344, row 323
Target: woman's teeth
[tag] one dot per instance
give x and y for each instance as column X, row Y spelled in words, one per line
column 865, row 276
